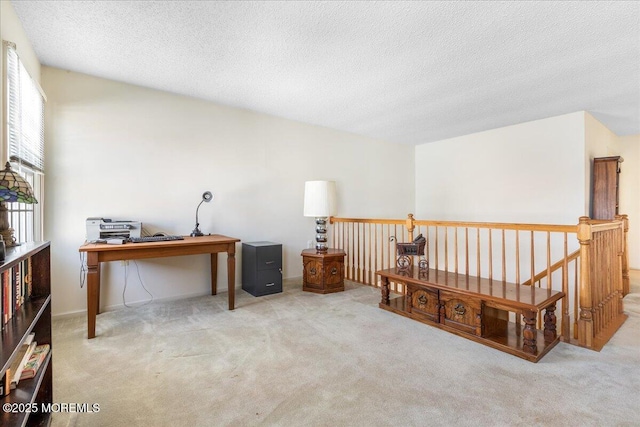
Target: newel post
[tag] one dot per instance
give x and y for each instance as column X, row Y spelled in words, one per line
column 625, row 253
column 410, row 225
column 585, row 322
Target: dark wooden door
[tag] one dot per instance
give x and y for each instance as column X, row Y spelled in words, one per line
column 605, row 196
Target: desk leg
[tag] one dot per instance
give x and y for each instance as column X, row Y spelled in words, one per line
column 93, row 293
column 214, row 273
column 98, row 293
column 231, row 273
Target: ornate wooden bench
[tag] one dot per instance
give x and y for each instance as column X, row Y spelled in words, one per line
column 476, row 308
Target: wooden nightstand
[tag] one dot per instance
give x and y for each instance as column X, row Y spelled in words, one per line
column 323, row 273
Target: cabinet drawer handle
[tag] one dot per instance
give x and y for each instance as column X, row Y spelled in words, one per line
column 459, row 309
column 270, row 284
column 312, row 270
column 269, row 262
column 334, row 271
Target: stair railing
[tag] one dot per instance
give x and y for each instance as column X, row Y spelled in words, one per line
column 504, row 252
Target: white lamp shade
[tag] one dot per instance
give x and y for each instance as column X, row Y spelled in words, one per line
column 319, row 198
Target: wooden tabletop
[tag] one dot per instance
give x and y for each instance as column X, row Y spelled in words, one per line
column 188, row 241
column 490, row 290
column 329, row 253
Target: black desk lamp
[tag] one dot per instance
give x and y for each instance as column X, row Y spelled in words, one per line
column 206, row 197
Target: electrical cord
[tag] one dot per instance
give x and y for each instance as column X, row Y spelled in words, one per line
column 83, row 270
column 126, row 275
column 83, row 279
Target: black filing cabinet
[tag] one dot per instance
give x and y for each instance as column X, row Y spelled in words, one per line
column 262, row 268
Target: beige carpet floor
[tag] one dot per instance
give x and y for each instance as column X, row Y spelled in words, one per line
column 301, row 359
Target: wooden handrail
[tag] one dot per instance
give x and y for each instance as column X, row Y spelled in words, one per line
column 599, row 227
column 554, row 267
column 441, row 223
column 334, row 219
column 502, row 226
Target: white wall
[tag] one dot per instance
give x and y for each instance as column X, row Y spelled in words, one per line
column 538, row 172
column 531, row 172
column 123, row 151
column 629, row 149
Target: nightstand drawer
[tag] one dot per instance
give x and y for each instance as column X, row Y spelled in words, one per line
column 334, row 273
column 312, row 273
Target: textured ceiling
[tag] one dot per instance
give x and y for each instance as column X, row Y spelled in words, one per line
column 405, row 72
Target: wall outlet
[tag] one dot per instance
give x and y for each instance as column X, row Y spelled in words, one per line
column 309, row 244
column 124, row 263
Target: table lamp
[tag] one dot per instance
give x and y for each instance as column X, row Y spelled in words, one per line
column 319, row 202
column 206, row 197
column 13, row 188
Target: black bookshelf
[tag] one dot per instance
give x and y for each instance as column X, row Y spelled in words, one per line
column 33, row 316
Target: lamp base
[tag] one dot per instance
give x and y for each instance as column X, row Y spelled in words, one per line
column 321, row 235
column 5, row 230
column 8, row 237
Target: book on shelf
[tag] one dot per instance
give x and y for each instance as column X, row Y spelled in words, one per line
column 3, row 312
column 7, row 313
column 18, row 284
column 5, row 383
column 35, row 361
column 21, row 359
column 15, row 289
column 29, row 276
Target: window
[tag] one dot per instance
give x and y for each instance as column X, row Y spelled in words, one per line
column 24, row 142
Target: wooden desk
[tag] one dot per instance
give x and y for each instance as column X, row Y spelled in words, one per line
column 97, row 253
column 476, row 308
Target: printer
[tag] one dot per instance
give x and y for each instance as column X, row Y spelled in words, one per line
column 106, row 228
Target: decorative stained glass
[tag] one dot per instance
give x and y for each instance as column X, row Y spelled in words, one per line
column 13, row 187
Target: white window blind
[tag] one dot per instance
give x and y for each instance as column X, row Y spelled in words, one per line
column 25, row 115
column 24, row 142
